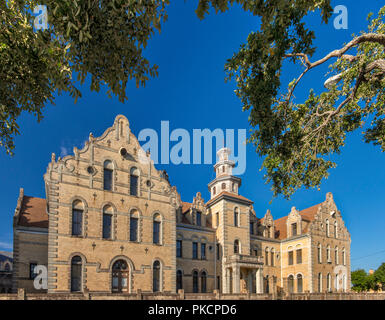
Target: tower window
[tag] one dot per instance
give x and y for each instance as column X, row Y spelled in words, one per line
column 236, row 247
column 236, row 217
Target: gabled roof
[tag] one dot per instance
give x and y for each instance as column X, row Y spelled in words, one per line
column 33, row 213
column 230, row 195
column 280, row 225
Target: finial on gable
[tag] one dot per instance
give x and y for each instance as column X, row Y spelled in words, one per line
column 329, row 197
column 53, row 157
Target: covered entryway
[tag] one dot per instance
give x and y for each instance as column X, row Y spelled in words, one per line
column 120, row 275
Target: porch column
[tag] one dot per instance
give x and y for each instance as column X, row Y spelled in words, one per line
column 226, row 281
column 259, row 280
column 250, row 281
column 236, row 279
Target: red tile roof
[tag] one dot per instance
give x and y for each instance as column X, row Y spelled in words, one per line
column 186, row 206
column 280, row 228
column 33, row 213
column 309, row 213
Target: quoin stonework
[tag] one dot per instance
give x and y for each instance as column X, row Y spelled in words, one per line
column 111, row 222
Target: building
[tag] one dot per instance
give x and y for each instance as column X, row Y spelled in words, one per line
column 6, row 262
column 111, row 222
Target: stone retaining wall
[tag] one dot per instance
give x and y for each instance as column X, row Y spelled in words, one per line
column 21, row 295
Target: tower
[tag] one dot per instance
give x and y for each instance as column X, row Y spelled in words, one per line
column 224, row 180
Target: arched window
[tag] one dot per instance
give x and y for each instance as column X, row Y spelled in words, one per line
column 77, row 218
column 335, row 229
column 223, row 186
column 76, row 274
column 236, row 217
column 120, row 276
column 267, row 256
column 179, row 280
column 134, row 222
column 134, row 178
column 108, row 175
column 327, row 228
column 343, row 256
column 203, row 281
column 233, row 187
column 156, row 276
column 195, row 282
column 214, row 191
column 223, row 168
column 107, row 222
column 290, row 284
column 7, row 267
column 336, row 256
column 272, row 257
column 320, row 282
column 319, row 253
column 329, row 282
column 329, row 259
column 236, row 247
column 299, row 283
column 156, row 229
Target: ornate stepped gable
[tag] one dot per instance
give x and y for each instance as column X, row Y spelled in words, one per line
column 305, row 218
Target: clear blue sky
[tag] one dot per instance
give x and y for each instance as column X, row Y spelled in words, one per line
column 190, row 92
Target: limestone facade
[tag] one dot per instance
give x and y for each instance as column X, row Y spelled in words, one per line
column 111, row 222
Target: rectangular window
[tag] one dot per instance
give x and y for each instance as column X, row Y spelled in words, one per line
column 218, row 251
column 32, row 274
column 133, row 185
column 108, row 179
column 293, row 229
column 156, row 232
column 107, row 218
column 179, row 248
column 195, row 250
column 199, row 218
column 218, row 283
column 203, row 251
column 290, row 258
column 217, row 215
column 251, row 227
column 133, row 229
column 77, row 222
column 299, row 256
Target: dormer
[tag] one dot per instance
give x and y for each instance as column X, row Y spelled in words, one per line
column 294, row 223
column 194, row 213
column 268, row 225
